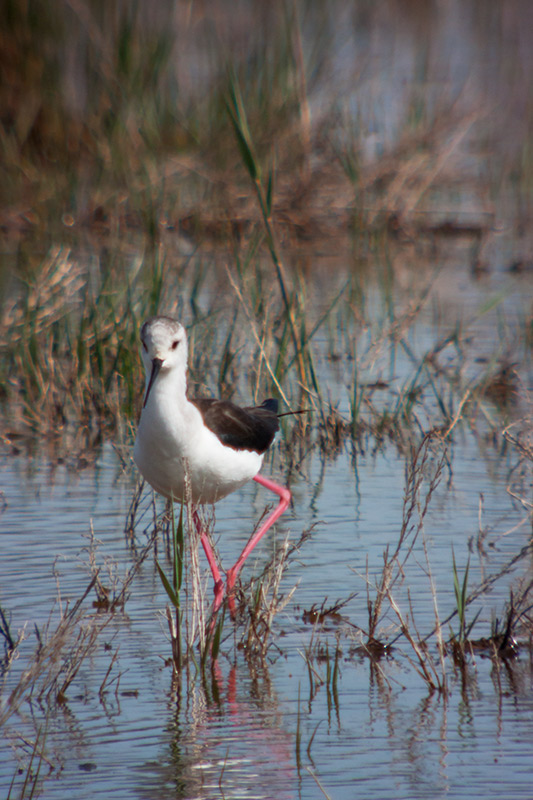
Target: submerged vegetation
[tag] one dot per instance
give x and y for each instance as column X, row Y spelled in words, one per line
column 306, row 264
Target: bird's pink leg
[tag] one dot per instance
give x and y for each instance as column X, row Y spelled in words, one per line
column 212, row 561
column 284, row 500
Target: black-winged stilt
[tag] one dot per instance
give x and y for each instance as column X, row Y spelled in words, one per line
column 199, row 449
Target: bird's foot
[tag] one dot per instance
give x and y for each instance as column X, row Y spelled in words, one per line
column 231, row 577
column 222, row 590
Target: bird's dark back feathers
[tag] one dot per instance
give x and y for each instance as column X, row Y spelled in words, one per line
column 249, row 428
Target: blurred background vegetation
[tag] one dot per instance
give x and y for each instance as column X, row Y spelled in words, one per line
column 115, row 114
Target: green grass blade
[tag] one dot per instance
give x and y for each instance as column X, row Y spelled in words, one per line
column 173, row 597
column 269, row 192
column 217, row 637
column 177, row 537
column 238, row 119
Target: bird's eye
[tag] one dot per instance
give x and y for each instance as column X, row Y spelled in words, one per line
column 175, row 344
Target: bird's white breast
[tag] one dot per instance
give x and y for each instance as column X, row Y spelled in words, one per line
column 174, row 451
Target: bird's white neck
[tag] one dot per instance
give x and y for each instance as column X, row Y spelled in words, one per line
column 169, row 388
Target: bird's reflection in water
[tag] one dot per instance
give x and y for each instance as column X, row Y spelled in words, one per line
column 226, row 738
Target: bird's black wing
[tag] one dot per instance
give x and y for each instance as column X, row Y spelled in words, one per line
column 251, row 428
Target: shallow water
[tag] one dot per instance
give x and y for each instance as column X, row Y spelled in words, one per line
column 271, row 728
column 274, row 727
column 379, row 731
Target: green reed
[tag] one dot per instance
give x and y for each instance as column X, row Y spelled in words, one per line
column 172, row 586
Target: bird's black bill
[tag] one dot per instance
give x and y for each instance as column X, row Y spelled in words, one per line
column 156, row 366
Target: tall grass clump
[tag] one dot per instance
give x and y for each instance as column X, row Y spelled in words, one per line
column 68, row 339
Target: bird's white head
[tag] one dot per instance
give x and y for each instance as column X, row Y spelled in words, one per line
column 163, row 349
